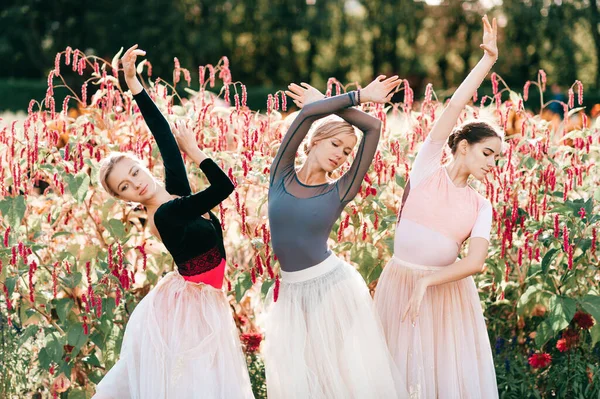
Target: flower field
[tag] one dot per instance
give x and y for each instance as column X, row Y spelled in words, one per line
column 74, row 262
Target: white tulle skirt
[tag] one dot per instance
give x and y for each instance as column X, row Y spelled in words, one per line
column 180, row 342
column 447, row 353
column 323, row 339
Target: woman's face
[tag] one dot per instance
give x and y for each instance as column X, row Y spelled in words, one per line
column 480, row 158
column 332, row 152
column 131, row 182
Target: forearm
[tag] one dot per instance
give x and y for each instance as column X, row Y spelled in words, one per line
column 197, row 156
column 447, row 120
column 368, row 124
column 135, row 86
column 457, row 271
column 465, row 91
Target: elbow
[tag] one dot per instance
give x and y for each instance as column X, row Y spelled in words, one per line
column 478, row 266
column 309, row 110
column 228, row 189
column 377, row 126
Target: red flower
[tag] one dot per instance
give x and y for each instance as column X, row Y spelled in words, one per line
column 561, row 345
column 583, row 320
column 540, row 360
column 251, row 341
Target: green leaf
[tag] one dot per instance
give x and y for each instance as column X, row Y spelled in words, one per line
column 54, row 348
column 543, row 333
column 547, row 260
column 524, row 301
column 44, row 359
column 244, row 282
column 13, row 210
column 591, row 304
column 561, row 311
column 63, row 307
column 266, row 285
column 28, row 333
column 77, row 393
column 116, row 228
column 92, row 360
column 71, row 280
column 10, row 283
column 595, row 332
column 78, row 185
column 76, row 337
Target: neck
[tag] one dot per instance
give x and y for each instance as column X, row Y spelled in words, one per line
column 157, row 200
column 311, row 174
column 458, row 173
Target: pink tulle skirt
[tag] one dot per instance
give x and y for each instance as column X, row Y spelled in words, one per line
column 447, row 354
column 180, row 343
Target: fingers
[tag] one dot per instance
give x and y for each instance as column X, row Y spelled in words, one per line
column 305, row 85
column 494, row 27
column 130, row 50
column 486, row 24
column 405, row 313
column 488, row 49
column 292, row 95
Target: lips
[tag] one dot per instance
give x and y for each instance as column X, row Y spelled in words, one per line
column 144, row 190
column 333, row 162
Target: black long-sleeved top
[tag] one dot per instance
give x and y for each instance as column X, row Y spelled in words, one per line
column 195, row 242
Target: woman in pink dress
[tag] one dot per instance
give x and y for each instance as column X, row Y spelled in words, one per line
column 426, row 298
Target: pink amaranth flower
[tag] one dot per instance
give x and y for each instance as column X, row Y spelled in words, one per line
column 579, row 92
column 571, row 98
column 494, row 78
column 6, row 235
column 276, row 289
column 526, row 90
column 582, row 213
column 542, row 76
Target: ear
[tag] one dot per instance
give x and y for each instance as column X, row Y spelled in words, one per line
column 463, row 146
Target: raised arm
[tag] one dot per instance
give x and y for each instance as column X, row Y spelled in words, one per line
column 176, row 181
column 286, row 155
column 378, row 91
column 350, row 183
column 447, row 120
column 181, row 209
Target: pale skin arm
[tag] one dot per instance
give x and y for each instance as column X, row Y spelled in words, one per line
column 478, row 247
column 128, row 61
column 447, row 120
column 186, row 140
column 472, row 264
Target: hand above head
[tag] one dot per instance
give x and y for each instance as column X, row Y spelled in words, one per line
column 128, row 61
column 185, row 137
column 303, row 94
column 490, row 33
column 380, row 90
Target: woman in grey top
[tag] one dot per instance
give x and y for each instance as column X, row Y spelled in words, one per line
column 323, row 338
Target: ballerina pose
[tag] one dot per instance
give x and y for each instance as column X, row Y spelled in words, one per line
column 323, row 338
column 427, row 301
column 180, row 341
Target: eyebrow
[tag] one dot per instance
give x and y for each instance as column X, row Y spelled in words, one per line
column 119, row 186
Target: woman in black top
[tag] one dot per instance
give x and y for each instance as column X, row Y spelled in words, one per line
column 180, row 342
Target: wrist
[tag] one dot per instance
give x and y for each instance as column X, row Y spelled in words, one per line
column 425, row 281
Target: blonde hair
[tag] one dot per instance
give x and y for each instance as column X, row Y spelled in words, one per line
column 107, row 165
column 327, row 129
